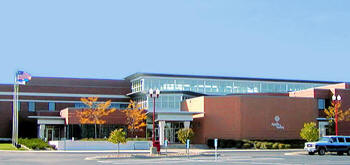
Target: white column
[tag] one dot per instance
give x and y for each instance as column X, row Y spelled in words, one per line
column 42, row 131
column 186, row 124
column 161, row 132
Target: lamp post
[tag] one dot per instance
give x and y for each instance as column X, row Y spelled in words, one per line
column 336, row 101
column 154, row 94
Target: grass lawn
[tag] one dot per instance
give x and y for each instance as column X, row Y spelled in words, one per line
column 8, row 146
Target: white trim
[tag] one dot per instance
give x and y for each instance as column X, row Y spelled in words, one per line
column 64, row 95
column 56, row 101
column 46, row 117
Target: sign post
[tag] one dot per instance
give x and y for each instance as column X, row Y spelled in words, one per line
column 166, row 146
column 188, row 147
column 216, row 148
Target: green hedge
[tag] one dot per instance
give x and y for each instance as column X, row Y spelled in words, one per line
column 93, row 139
column 102, row 139
column 257, row 144
column 35, row 144
column 136, row 139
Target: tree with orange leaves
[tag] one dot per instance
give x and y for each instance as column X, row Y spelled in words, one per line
column 135, row 117
column 95, row 111
column 331, row 113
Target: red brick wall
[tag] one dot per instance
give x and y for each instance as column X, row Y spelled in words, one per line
column 71, row 115
column 5, row 119
column 250, row 117
column 56, row 85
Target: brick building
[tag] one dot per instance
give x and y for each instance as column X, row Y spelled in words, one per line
column 216, row 107
column 265, row 116
column 42, row 99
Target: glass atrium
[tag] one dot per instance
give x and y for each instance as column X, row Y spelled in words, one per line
column 207, row 86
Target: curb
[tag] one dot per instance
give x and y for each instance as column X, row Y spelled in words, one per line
column 134, row 156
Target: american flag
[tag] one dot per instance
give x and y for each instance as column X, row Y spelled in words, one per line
column 23, row 76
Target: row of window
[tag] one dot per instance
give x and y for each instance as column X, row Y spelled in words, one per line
column 113, row 105
column 52, row 106
column 136, row 86
column 218, row 87
column 31, row 106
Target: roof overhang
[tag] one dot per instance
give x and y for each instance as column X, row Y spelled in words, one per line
column 43, row 120
column 174, row 116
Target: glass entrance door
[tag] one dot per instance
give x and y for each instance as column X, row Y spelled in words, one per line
column 50, row 132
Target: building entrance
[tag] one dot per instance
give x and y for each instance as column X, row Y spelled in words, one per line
column 170, row 131
column 52, row 133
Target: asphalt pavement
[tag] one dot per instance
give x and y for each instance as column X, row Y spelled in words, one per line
column 227, row 157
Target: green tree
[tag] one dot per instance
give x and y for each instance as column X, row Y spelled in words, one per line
column 117, row 136
column 184, row 134
column 309, row 132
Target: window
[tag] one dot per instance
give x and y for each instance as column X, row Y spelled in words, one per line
column 31, row 106
column 340, row 140
column 51, row 106
column 123, row 106
column 19, row 106
column 347, row 140
column 321, row 104
column 334, row 139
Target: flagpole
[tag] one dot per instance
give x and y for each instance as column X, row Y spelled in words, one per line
column 17, row 109
column 14, row 109
column 22, row 77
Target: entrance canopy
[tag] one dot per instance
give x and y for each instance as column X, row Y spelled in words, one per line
column 45, row 120
column 174, row 116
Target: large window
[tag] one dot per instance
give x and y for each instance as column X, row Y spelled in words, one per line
column 51, row 106
column 218, row 86
column 31, row 106
column 321, row 104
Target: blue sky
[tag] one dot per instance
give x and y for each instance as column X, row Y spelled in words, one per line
column 112, row 39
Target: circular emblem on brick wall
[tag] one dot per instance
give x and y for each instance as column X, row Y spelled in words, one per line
column 277, row 118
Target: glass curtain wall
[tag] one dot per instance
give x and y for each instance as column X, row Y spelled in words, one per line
column 172, row 102
column 219, row 87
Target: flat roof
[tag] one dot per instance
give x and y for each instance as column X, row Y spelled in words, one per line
column 135, row 75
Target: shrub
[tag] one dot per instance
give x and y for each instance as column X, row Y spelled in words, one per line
column 281, row 146
column 184, row 134
column 275, row 145
column 230, row 143
column 221, row 143
column 210, row 143
column 309, row 132
column 239, row 144
column 35, row 143
column 258, row 145
column 93, row 139
column 136, row 139
column 288, row 146
column 264, row 144
column 247, row 145
column 268, row 145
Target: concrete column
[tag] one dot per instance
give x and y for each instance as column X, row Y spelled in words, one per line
column 186, row 124
column 42, row 131
column 161, row 132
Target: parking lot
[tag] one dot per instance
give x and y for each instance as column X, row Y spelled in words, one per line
column 227, row 157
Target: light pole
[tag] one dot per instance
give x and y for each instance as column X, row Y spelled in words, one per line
column 336, row 101
column 154, row 94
